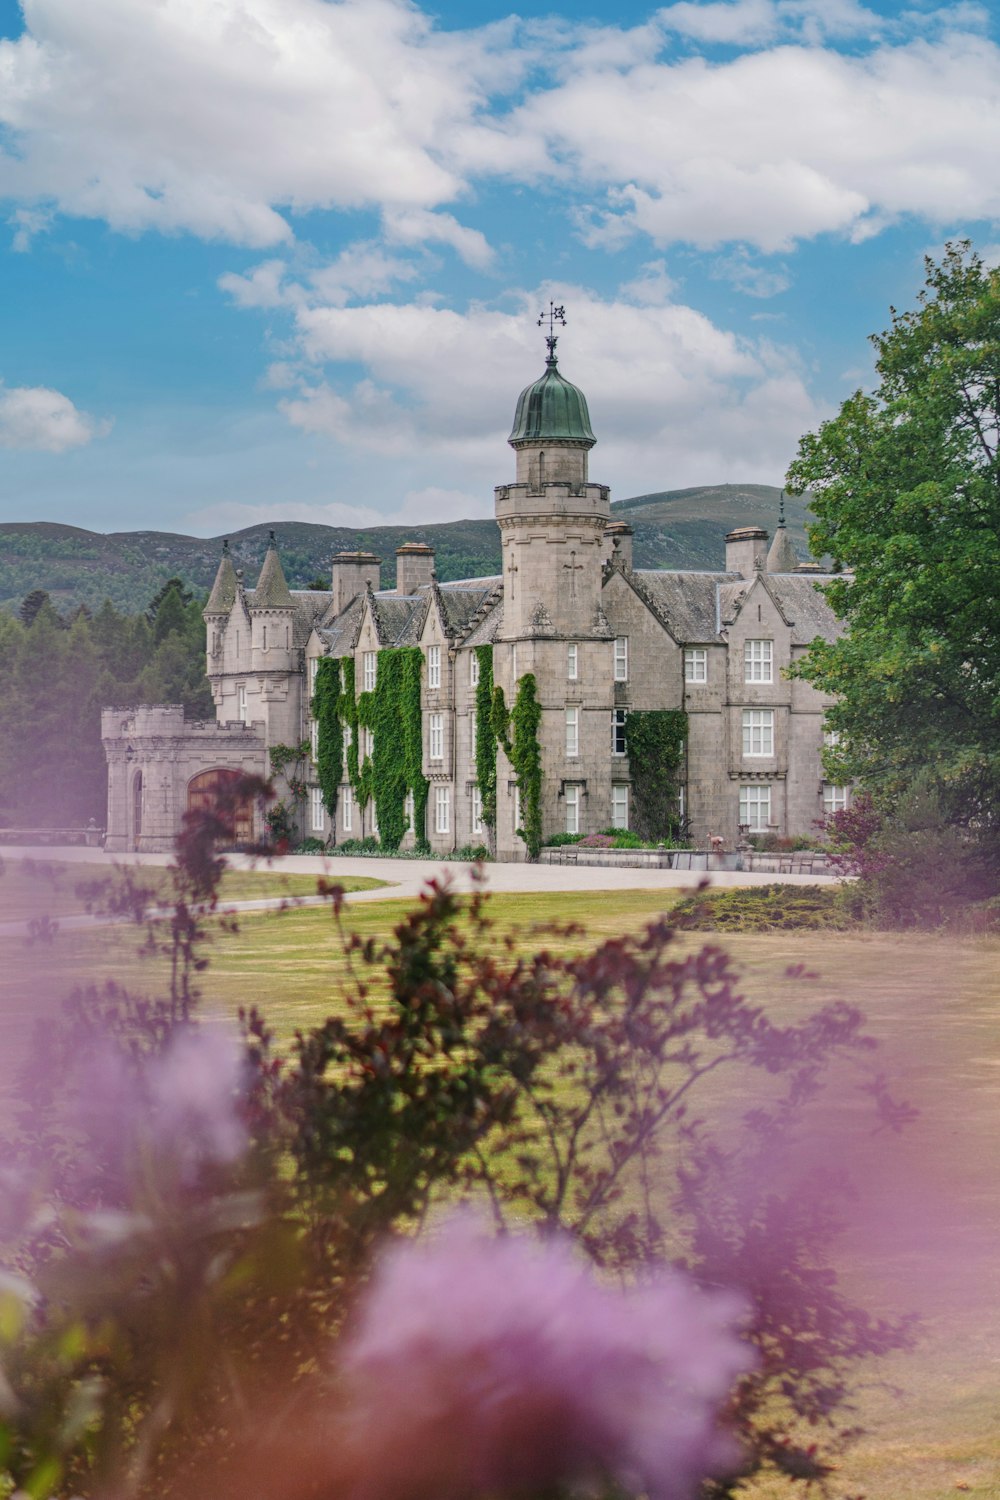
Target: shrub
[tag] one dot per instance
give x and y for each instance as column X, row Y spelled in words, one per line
column 469, row 853
column 559, row 839
column 367, row 845
column 783, row 843
column 311, row 846
column 766, row 908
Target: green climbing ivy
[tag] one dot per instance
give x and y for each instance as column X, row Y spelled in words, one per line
column 517, row 732
column 655, row 742
column 486, row 739
column 330, row 752
column 347, row 709
column 392, row 712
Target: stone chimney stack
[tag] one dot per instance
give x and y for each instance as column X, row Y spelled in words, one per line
column 414, row 567
column 618, row 543
column 351, row 574
column 746, row 551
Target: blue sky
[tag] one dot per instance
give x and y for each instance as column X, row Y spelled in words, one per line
column 282, row 259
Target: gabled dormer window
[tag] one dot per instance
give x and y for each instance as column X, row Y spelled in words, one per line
column 758, row 661
column 433, row 666
column 370, row 669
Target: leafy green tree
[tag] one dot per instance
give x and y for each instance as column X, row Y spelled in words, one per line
column 33, row 604
column 906, row 491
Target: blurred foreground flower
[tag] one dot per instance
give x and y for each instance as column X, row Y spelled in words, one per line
column 181, row 1105
column 485, row 1365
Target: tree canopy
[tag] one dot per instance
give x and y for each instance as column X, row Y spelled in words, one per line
column 906, row 491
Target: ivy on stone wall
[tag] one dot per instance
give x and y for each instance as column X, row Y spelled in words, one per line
column 486, row 740
column 393, row 714
column 517, row 732
column 654, row 743
column 326, row 711
column 348, row 713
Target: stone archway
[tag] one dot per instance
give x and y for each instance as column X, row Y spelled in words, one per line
column 202, row 794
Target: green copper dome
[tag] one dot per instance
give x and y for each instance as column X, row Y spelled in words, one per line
column 552, row 410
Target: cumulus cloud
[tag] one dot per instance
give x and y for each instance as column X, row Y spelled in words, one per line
column 35, row 417
column 674, row 398
column 777, row 145
column 214, row 118
column 229, row 119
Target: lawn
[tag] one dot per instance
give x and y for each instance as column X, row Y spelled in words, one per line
column 933, row 1208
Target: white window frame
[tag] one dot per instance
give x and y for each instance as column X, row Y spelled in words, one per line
column 695, row 664
column 347, row 809
column 313, row 670
column 369, row 667
column 572, row 800
column 473, row 737
column 314, row 740
column 346, row 733
column 442, row 809
column 619, row 804
column 317, row 810
column 433, row 666
column 474, row 669
column 621, row 658
column 513, row 662
column 242, row 710
column 368, row 744
column 618, row 718
column 409, row 810
column 835, row 798
column 758, row 732
column 572, row 662
column 758, row 660
column 831, row 738
column 517, row 806
column 476, row 823
column 435, row 737
column 755, row 806
column 572, row 733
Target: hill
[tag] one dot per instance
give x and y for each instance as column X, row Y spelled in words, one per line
column 673, row 529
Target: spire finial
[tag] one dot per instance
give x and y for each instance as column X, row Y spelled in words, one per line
column 225, row 547
column 781, row 511
column 272, row 540
column 552, row 317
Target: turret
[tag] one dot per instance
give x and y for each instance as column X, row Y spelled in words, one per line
column 272, row 612
column 216, row 611
column 781, row 557
column 551, row 518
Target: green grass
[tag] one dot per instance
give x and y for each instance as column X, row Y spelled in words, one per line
column 933, row 1003
column 50, row 887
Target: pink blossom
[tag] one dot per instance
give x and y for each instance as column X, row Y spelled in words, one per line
column 496, row 1365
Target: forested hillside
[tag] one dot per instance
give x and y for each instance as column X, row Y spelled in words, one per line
column 55, row 676
column 673, row 529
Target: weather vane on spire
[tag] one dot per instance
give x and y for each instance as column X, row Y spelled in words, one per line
column 552, row 317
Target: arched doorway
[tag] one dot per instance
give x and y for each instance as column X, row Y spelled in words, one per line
column 203, row 796
column 136, row 809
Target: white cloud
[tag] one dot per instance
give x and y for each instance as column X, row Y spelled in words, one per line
column 213, row 117
column 748, row 275
column 782, row 144
column 228, row 117
column 674, row 398
column 35, row 417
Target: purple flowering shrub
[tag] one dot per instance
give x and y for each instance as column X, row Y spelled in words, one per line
column 188, row 1224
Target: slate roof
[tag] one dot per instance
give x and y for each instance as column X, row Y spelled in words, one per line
column 802, row 603
column 310, row 607
column 686, row 601
column 340, row 633
column 485, row 633
column 223, row 595
column 272, row 590
column 460, row 602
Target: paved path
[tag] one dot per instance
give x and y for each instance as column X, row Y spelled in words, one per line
column 407, row 878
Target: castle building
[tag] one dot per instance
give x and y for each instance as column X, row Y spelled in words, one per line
column 601, row 639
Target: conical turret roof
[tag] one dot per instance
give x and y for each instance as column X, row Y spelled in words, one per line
column 272, row 589
column 223, row 595
column 551, row 409
column 782, row 557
